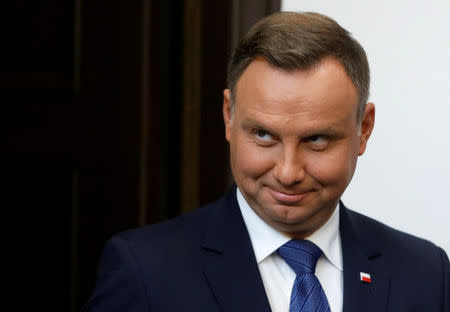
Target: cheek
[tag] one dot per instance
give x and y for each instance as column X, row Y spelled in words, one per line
column 250, row 160
column 335, row 168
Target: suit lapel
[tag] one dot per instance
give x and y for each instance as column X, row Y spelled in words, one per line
column 229, row 262
column 361, row 253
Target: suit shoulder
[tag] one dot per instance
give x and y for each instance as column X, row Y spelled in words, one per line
column 392, row 240
column 182, row 230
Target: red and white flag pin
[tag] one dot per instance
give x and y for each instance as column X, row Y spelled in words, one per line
column 365, row 277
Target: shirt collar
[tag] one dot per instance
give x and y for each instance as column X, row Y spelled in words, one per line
column 266, row 240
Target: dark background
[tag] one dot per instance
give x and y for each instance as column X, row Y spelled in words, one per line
column 110, row 119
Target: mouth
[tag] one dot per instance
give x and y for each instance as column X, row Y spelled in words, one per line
column 288, row 198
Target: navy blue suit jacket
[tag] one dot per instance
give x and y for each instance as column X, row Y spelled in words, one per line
column 204, row 261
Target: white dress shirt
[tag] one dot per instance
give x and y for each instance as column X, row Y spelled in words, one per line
column 277, row 276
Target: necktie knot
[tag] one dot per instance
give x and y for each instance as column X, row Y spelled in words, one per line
column 307, row 294
column 300, row 255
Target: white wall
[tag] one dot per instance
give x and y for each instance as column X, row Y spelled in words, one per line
column 403, row 179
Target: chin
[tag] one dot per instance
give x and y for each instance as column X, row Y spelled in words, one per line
column 299, row 219
column 287, row 215
column 295, row 229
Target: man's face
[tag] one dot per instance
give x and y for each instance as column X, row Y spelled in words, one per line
column 294, row 141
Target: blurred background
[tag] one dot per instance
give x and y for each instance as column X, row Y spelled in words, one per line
column 111, row 119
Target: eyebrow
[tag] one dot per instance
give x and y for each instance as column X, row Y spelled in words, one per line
column 327, row 130
column 251, row 123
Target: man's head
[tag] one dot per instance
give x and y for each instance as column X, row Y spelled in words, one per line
column 293, row 41
column 294, row 118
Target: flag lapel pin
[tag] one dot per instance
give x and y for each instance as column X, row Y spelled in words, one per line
column 365, row 277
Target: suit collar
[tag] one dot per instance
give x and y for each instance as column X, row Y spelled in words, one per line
column 362, row 252
column 229, row 262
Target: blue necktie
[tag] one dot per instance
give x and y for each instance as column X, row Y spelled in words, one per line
column 307, row 294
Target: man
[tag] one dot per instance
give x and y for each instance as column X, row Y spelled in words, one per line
column 297, row 118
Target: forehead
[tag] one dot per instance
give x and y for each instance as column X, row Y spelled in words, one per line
column 323, row 93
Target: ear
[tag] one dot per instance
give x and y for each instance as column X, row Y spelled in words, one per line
column 226, row 110
column 367, row 123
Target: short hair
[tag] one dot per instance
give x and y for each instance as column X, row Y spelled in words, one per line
column 300, row 40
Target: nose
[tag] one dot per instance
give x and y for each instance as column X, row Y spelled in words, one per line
column 290, row 167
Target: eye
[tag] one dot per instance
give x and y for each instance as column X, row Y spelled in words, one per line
column 318, row 142
column 263, row 136
column 316, row 138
